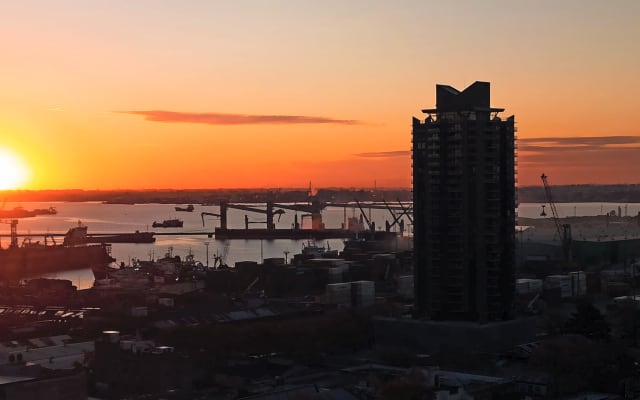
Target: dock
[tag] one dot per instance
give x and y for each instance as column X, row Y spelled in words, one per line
column 220, row 234
column 135, row 237
column 260, row 233
column 299, row 234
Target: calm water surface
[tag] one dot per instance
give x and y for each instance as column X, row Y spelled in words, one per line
column 113, row 218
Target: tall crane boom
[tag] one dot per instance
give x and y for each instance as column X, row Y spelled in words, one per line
column 564, row 230
column 552, row 205
column 202, row 214
column 370, row 224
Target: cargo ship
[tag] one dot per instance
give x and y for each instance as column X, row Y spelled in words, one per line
column 188, row 208
column 34, row 258
column 78, row 235
column 168, row 223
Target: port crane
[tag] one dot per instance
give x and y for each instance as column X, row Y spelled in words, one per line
column 397, row 219
column 270, row 212
column 370, row 224
column 14, row 232
column 397, row 212
column 202, row 214
column 563, row 230
column 313, row 210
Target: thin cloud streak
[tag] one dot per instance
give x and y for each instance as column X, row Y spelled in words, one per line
column 588, row 143
column 547, row 145
column 571, row 160
column 235, row 119
column 384, row 154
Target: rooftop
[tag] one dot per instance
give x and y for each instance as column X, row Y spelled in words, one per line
column 476, row 97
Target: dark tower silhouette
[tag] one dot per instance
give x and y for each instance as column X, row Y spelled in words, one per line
column 464, row 207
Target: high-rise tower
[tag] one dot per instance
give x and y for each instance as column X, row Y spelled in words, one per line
column 464, row 207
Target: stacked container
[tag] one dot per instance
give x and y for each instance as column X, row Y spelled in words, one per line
column 363, row 293
column 578, row 283
column 338, row 293
column 559, row 281
column 336, row 274
column 405, row 286
column 526, row 286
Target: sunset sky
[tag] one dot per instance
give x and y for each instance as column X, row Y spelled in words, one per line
column 124, row 94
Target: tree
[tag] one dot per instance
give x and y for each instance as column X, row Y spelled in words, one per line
column 588, row 321
column 626, row 321
column 575, row 363
column 409, row 387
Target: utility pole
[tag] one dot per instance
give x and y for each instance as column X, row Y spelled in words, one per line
column 206, row 244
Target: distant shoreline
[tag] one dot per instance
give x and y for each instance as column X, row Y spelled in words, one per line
column 527, row 194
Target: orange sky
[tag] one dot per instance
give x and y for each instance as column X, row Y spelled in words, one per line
column 147, row 94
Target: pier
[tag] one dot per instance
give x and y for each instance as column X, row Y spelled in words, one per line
column 259, row 233
column 221, row 234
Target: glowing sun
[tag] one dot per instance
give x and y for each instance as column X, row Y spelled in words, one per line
column 13, row 172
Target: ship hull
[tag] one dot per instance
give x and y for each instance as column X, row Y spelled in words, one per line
column 169, row 223
column 137, row 237
column 25, row 262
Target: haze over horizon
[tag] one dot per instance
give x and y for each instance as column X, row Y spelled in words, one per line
column 248, row 94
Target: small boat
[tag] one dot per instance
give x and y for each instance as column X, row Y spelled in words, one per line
column 313, row 250
column 188, row 208
column 168, row 223
column 164, row 271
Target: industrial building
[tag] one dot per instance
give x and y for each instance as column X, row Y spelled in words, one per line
column 464, row 207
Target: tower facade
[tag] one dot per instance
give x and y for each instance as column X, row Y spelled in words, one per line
column 464, row 207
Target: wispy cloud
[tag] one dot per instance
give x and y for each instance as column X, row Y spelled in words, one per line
column 385, row 154
column 588, row 159
column 549, row 144
column 592, row 159
column 585, row 143
column 235, row 119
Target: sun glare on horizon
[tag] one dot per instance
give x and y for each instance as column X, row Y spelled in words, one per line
column 13, row 171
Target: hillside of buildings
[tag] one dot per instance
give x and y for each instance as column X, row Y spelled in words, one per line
column 581, row 194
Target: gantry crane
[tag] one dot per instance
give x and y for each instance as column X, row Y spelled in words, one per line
column 563, row 230
column 397, row 218
column 270, row 212
column 370, row 224
column 313, row 210
column 14, row 231
column 202, row 214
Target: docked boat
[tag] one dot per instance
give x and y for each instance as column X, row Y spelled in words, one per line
column 168, row 223
column 188, row 208
column 135, row 237
column 78, row 235
column 311, row 249
column 169, row 270
column 34, row 258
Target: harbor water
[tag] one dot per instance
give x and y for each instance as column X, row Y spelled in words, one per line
column 125, row 218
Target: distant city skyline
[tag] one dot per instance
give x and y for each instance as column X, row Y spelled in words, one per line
column 198, row 94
